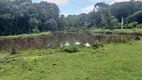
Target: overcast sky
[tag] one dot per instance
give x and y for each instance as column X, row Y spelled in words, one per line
column 77, row 6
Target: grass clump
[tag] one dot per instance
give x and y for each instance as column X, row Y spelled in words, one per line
column 70, row 49
column 97, row 44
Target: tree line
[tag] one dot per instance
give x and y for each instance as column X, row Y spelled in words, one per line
column 109, row 16
column 23, row 16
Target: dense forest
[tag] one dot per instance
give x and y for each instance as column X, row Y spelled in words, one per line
column 23, row 16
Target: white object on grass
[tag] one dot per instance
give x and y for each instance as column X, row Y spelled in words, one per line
column 67, row 44
column 77, row 43
column 87, row 45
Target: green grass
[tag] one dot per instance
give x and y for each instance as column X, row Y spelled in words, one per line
column 137, row 31
column 25, row 35
column 115, row 61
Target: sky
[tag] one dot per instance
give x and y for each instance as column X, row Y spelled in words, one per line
column 77, row 6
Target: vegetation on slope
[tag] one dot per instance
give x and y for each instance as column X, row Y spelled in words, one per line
column 136, row 31
column 25, row 35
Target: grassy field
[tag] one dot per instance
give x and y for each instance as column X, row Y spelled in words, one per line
column 25, row 35
column 115, row 61
column 137, row 31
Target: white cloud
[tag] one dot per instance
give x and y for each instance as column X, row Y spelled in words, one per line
column 98, row 0
column 66, row 14
column 58, row 2
column 88, row 9
column 115, row 1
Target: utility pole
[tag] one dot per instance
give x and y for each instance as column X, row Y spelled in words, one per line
column 122, row 23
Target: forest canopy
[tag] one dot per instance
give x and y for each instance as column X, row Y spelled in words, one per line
column 23, row 16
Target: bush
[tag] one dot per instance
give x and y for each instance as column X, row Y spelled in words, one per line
column 97, row 44
column 131, row 25
column 124, row 40
column 35, row 30
column 70, row 49
column 81, row 46
column 139, row 26
column 108, row 32
column 137, row 38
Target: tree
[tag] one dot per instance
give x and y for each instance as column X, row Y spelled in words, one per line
column 19, row 2
column 104, row 19
column 6, row 18
column 82, row 20
column 100, row 6
column 50, row 25
column 114, row 23
column 63, row 23
column 33, row 25
column 137, row 16
column 124, row 9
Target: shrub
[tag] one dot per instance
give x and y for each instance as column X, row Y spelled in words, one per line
column 108, row 32
column 97, row 44
column 81, row 46
column 137, row 38
column 124, row 40
column 131, row 25
column 70, row 49
column 139, row 26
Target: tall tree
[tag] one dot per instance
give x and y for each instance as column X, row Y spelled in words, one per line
column 51, row 25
